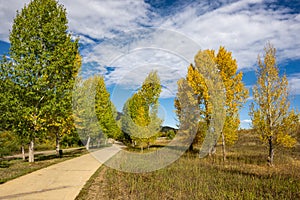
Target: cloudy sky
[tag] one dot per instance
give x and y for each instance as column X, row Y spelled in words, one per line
column 126, row 39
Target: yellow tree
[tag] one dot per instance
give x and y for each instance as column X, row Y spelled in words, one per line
column 235, row 94
column 271, row 115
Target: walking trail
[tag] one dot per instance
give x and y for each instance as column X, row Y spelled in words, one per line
column 61, row 181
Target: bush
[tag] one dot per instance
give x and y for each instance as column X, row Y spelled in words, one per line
column 8, row 143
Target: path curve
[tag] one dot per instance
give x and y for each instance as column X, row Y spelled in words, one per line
column 62, row 181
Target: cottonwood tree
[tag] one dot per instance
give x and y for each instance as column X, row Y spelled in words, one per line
column 10, row 116
column 59, row 119
column 42, row 56
column 140, row 113
column 85, row 118
column 94, row 113
column 271, row 115
column 105, row 110
column 235, row 93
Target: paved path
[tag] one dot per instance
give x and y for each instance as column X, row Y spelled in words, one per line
column 61, row 181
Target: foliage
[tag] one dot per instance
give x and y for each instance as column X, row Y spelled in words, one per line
column 41, row 68
column 94, row 113
column 140, row 119
column 105, row 110
column 235, row 92
column 271, row 115
column 84, row 113
column 8, row 143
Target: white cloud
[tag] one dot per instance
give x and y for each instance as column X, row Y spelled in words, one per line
column 7, row 14
column 105, row 18
column 246, row 121
column 97, row 19
column 131, row 69
column 294, row 84
column 242, row 27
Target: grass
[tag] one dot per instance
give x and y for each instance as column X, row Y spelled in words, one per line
column 13, row 168
column 244, row 175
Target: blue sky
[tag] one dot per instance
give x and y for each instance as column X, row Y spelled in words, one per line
column 124, row 40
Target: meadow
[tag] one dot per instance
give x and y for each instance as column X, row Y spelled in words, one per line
column 244, row 175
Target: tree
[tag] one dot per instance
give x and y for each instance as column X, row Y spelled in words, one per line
column 235, row 93
column 59, row 111
column 105, row 110
column 42, row 56
column 140, row 119
column 86, row 122
column 94, row 113
column 11, row 116
column 271, row 115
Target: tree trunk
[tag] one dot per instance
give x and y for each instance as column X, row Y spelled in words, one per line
column 31, row 151
column 223, row 146
column 87, row 146
column 98, row 143
column 23, row 152
column 57, row 144
column 271, row 151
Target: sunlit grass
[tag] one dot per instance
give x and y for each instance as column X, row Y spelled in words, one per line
column 244, row 175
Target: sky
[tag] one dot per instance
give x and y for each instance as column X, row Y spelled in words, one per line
column 124, row 40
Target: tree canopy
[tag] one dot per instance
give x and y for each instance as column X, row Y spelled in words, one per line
column 140, row 119
column 42, row 67
column 235, row 92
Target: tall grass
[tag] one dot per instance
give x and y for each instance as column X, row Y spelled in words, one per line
column 244, row 175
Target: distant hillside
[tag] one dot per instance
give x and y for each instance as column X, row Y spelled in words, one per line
column 165, row 129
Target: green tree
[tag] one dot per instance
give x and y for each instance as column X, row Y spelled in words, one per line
column 11, row 115
column 140, row 119
column 105, row 110
column 42, row 56
column 271, row 115
column 59, row 112
column 86, row 122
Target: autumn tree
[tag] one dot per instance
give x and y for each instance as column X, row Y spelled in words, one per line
column 42, row 56
column 94, row 113
column 84, row 112
column 140, row 113
column 105, row 110
column 235, row 93
column 271, row 115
